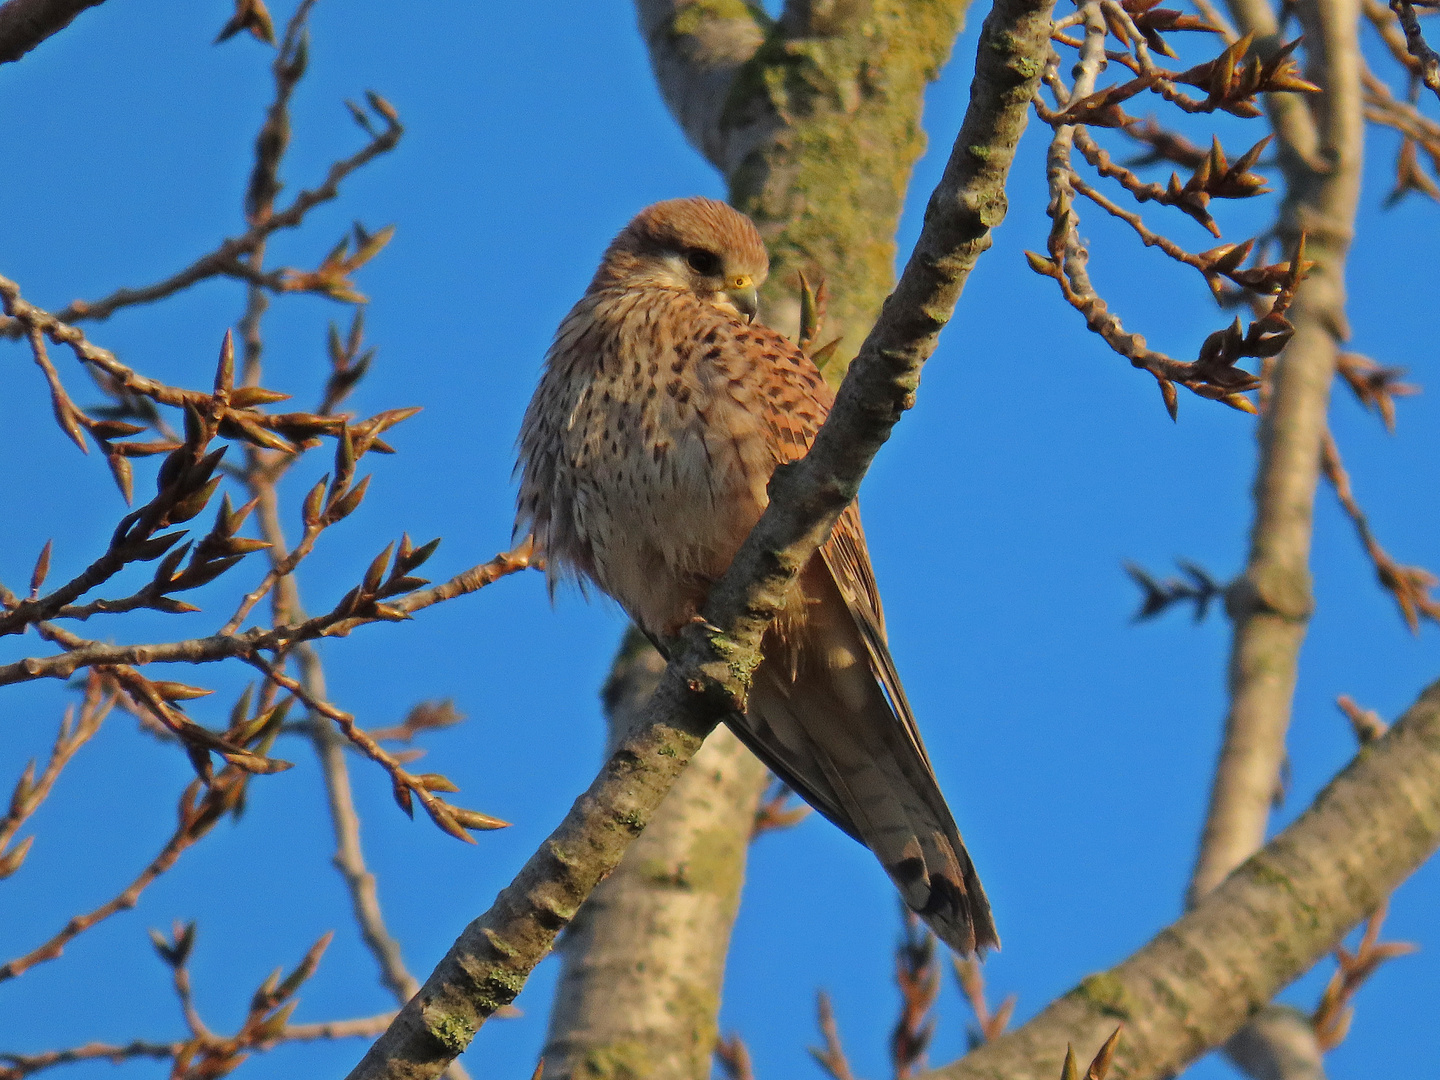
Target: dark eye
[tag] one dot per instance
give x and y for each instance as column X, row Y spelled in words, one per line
column 703, row 262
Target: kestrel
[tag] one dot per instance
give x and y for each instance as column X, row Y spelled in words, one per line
column 645, row 453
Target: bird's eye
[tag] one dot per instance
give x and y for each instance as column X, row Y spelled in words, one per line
column 703, row 262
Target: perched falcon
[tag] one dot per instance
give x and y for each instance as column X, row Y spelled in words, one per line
column 645, row 453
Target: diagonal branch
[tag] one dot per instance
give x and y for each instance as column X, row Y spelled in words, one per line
column 1427, row 61
column 645, row 957
column 226, row 645
column 710, row 663
column 1200, row 979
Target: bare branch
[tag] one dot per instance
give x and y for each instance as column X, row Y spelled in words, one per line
column 1331, row 1021
column 656, row 931
column 917, row 974
column 733, row 1057
column 24, row 24
column 244, row 645
column 696, row 50
column 1427, row 61
column 1271, row 603
column 1409, row 585
column 225, row 260
column 18, row 1066
column 31, row 791
column 989, row 1024
column 830, row 1057
column 198, row 815
column 1366, row 723
column 1202, row 978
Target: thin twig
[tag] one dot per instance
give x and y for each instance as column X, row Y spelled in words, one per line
column 917, row 975
column 198, row 816
column 1409, row 585
column 1387, row 25
column 18, row 1066
column 830, row 1057
column 1427, row 61
column 1365, row 723
column 733, row 1057
column 31, row 791
column 1332, row 1018
column 989, row 1024
column 243, row 645
column 225, row 260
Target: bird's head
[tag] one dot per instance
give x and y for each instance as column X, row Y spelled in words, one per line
column 699, row 245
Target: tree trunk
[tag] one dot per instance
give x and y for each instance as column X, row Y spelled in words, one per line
column 644, row 960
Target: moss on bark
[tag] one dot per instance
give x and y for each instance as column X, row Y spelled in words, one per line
column 827, row 187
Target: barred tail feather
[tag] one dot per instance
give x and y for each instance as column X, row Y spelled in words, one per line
column 826, row 727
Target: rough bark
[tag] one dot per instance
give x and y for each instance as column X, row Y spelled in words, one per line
column 24, row 24
column 831, row 210
column 644, row 960
column 1199, row 980
column 711, row 661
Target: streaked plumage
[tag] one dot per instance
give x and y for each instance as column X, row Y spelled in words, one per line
column 645, row 454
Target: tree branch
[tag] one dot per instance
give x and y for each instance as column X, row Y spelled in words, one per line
column 710, row 664
column 1271, row 603
column 228, row 645
column 1294, row 124
column 1320, row 151
column 1201, row 978
column 24, row 24
column 225, row 260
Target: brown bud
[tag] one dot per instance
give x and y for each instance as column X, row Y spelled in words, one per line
column 347, row 503
column 11, row 860
column 42, row 568
column 376, row 571
column 473, row 819
column 310, row 511
column 178, row 691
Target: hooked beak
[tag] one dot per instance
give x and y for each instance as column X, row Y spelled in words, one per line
column 746, row 300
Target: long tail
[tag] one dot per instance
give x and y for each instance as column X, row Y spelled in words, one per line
column 820, row 719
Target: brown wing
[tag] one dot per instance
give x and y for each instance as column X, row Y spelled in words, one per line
column 829, row 714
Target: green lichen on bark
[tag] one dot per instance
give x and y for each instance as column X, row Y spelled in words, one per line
column 627, row 1060
column 1268, row 873
column 1106, row 993
column 716, row 862
column 453, row 1032
column 692, row 18
column 828, row 186
column 696, row 1007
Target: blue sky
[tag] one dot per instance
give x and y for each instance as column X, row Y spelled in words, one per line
column 1074, row 747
